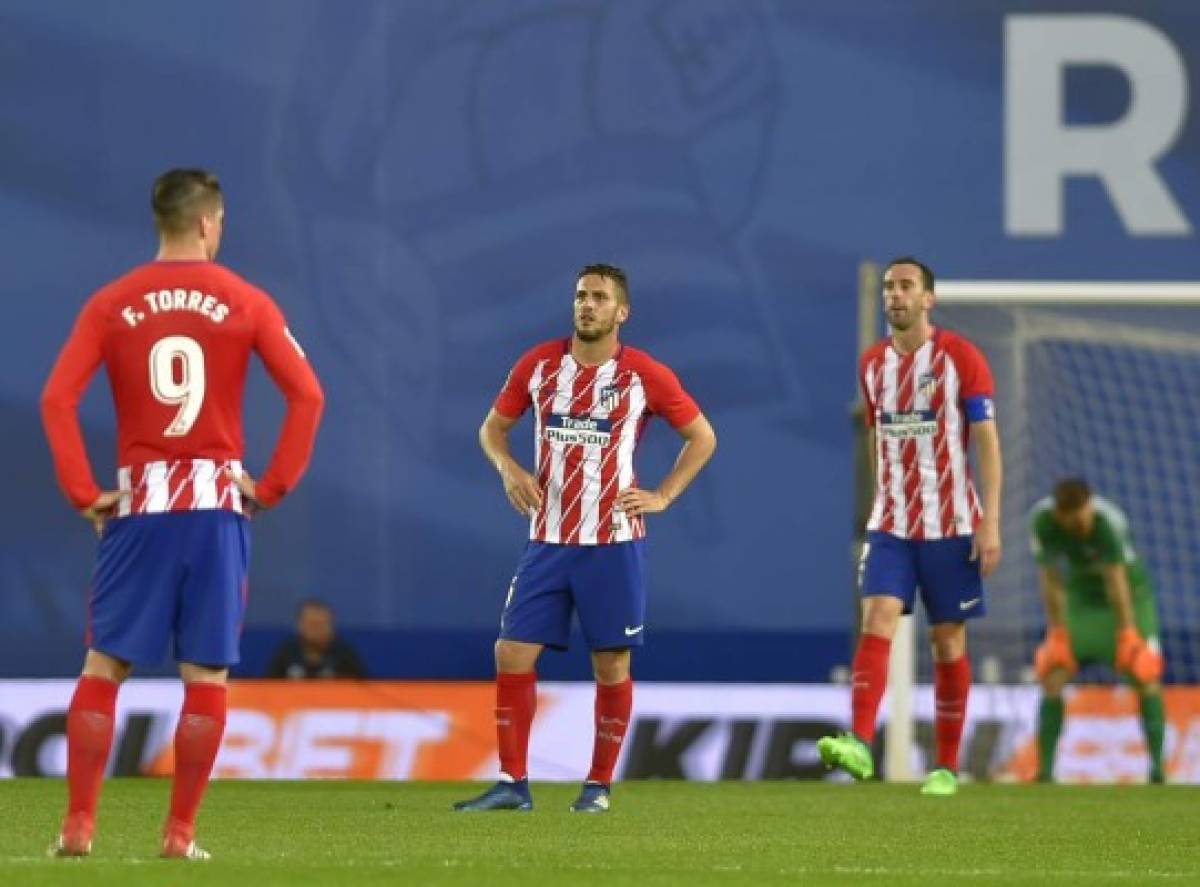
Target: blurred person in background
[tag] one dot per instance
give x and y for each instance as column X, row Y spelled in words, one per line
column 1102, row 612
column 315, row 651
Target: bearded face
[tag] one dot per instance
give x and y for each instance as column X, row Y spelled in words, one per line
column 590, row 329
column 905, row 299
column 599, row 308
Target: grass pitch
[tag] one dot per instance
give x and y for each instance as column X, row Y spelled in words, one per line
column 657, row 833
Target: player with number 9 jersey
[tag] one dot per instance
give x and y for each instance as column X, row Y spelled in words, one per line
column 175, row 338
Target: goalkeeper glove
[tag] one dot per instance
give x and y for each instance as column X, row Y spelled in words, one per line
column 1137, row 658
column 1055, row 652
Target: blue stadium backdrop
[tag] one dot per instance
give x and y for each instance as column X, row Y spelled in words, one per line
column 417, row 183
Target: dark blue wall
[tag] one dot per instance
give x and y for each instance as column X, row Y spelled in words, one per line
column 417, row 182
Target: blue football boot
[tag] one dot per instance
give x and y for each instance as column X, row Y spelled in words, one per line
column 501, row 796
column 593, row 798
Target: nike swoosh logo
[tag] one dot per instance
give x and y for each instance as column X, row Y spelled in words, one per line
column 966, row 605
column 630, row 632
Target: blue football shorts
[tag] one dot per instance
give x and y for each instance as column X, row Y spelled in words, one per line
column 171, row 583
column 949, row 581
column 604, row 584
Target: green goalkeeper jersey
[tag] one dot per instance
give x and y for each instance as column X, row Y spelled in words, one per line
column 1108, row 543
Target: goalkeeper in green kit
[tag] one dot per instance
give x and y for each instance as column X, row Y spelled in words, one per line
column 1102, row 612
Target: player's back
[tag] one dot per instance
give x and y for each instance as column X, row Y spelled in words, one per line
column 175, row 339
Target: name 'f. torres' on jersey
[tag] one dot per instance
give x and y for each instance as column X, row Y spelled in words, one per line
column 921, row 406
column 587, row 423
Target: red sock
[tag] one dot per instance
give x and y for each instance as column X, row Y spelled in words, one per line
column 197, row 738
column 951, row 685
column 869, row 680
column 516, row 701
column 89, row 739
column 614, row 704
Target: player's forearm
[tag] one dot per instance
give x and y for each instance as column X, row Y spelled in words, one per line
column 295, row 445
column 872, row 457
column 493, row 440
column 697, row 450
column 71, row 465
column 1054, row 597
column 64, row 389
column 991, row 470
column 1116, row 586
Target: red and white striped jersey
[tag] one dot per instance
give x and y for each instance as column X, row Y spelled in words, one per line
column 921, row 406
column 178, row 485
column 587, row 422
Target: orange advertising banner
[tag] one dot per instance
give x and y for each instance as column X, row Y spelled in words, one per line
column 432, row 730
column 446, row 731
column 354, row 730
column 1102, row 738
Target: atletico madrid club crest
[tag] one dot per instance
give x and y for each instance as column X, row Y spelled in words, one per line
column 610, row 396
column 926, row 385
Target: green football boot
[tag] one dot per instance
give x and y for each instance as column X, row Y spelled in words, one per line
column 940, row 782
column 849, row 753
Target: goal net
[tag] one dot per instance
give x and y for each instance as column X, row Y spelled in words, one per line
column 1100, row 381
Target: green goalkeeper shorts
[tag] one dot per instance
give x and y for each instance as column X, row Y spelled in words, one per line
column 1093, row 625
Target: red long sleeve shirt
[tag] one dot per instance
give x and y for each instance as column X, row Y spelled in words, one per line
column 175, row 339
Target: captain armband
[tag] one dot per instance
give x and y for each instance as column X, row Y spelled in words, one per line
column 980, row 408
